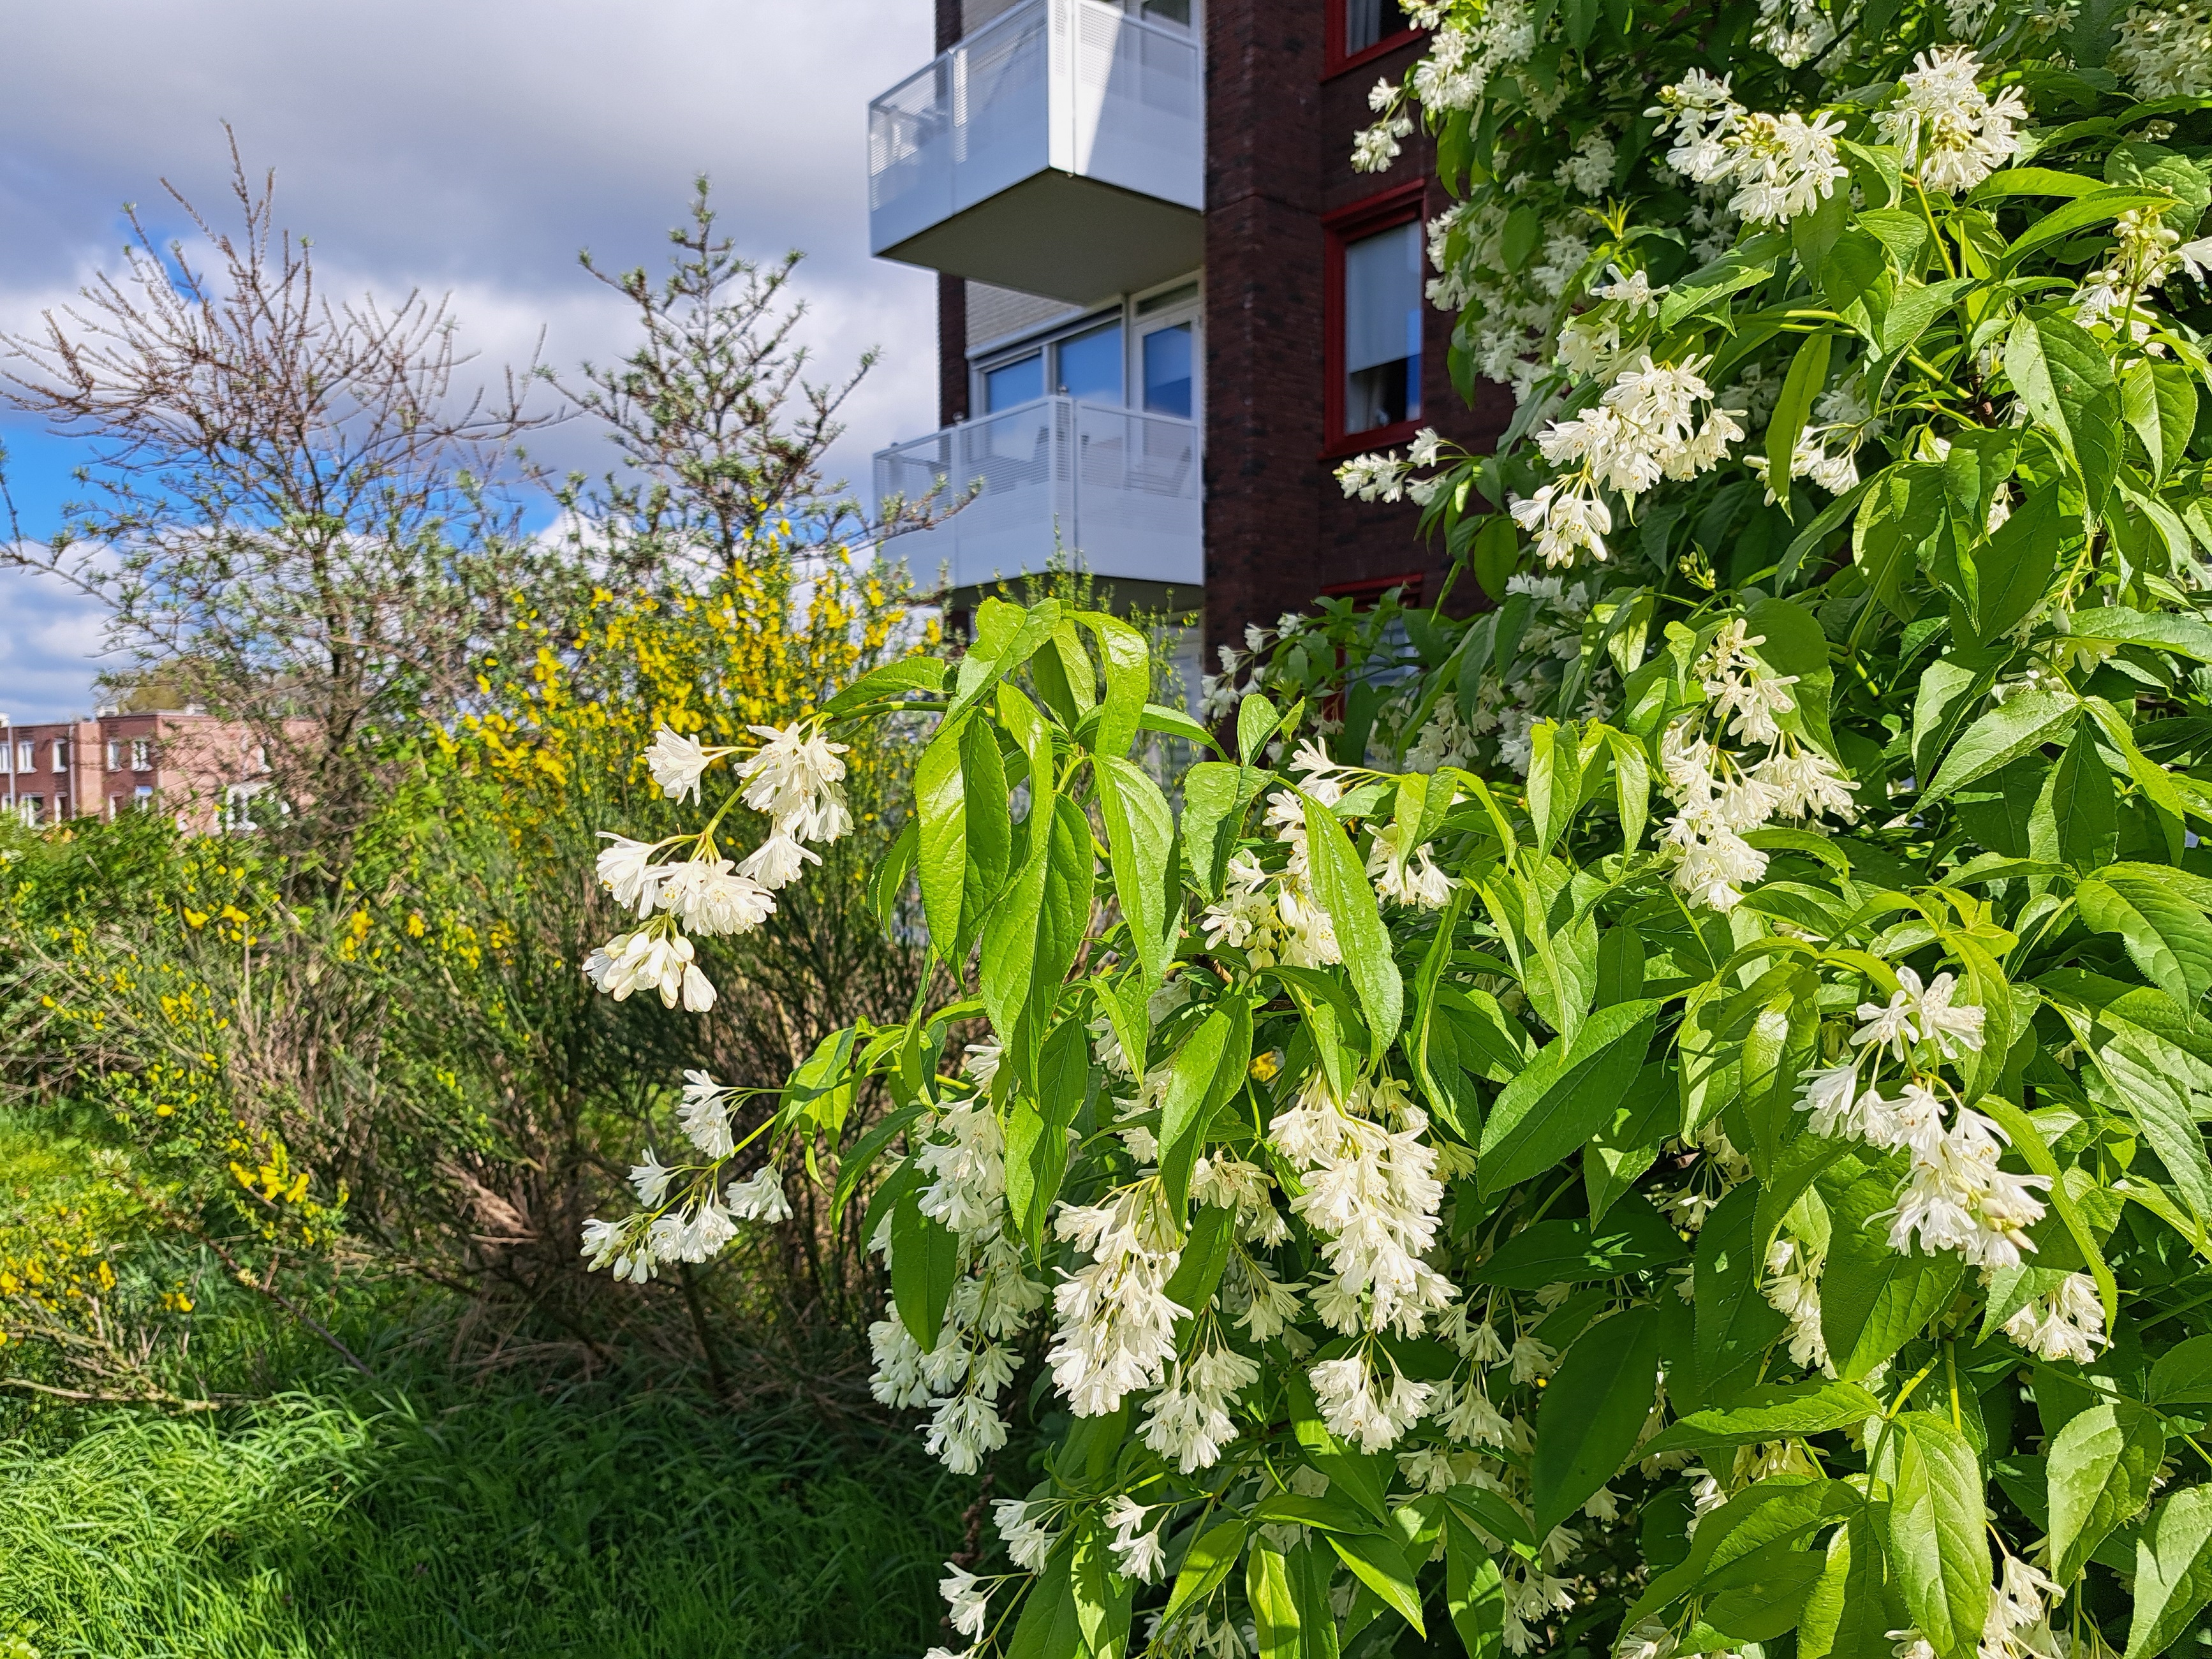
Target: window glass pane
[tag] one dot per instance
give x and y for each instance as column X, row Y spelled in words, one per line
column 1366, row 21
column 1167, row 371
column 1017, row 382
column 1168, row 11
column 1091, row 365
column 1382, row 328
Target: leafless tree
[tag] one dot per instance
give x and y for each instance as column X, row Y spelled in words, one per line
column 295, row 514
column 721, row 435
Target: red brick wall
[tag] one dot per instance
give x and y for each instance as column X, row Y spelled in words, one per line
column 1279, row 529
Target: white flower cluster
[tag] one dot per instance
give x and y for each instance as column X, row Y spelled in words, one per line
column 2146, row 251
column 1827, row 450
column 1467, row 47
column 2065, row 1322
column 1951, row 135
column 1719, row 796
column 796, row 779
column 1220, row 694
column 1645, row 427
column 1795, row 31
column 1781, row 166
column 1276, row 917
column 2164, row 51
column 1115, row 1325
column 702, row 1221
column 1955, row 1197
column 963, row 1151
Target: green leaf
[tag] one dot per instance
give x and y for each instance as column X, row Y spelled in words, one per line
column 1875, row 1299
column 1809, row 373
column 892, row 679
column 2182, row 1376
column 2016, row 564
column 2161, row 630
column 1207, row 1070
column 1566, row 1093
column 2078, row 214
column 1935, row 1534
column 1902, row 509
column 1312, row 1567
column 924, row 1267
column 1555, row 780
column 1773, row 1411
column 1853, row 1608
column 1139, row 838
column 990, row 830
column 2165, row 931
column 1128, row 660
column 2101, row 1465
column 2139, row 1089
column 2065, row 381
column 1592, row 1411
column 1381, row 1565
column 1758, row 1596
column 1048, row 1627
column 1205, row 1253
column 2075, row 819
column 1274, row 1608
column 1734, row 1321
column 1006, row 636
column 1211, row 1557
column 2002, row 735
column 1475, row 1593
column 1340, row 884
column 1632, row 1238
column 1212, row 794
column 939, row 800
column 1257, row 722
column 1036, row 1130
column 1621, row 1149
column 2173, row 1572
column 1103, row 1597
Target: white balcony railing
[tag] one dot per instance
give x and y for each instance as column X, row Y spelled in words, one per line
column 1049, row 91
column 1117, row 490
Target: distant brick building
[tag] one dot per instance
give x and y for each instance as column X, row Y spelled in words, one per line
column 1168, row 307
column 202, row 770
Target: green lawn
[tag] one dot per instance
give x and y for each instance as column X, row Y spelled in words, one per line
column 589, row 1523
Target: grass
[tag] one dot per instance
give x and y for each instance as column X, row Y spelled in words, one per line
column 584, row 1523
column 428, row 1516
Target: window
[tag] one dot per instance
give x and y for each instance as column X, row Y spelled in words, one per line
column 1089, row 365
column 1377, row 316
column 114, row 756
column 34, row 808
column 23, row 760
column 1165, row 11
column 61, row 754
column 1167, row 371
column 1018, row 382
column 143, row 796
column 1360, row 29
column 141, row 754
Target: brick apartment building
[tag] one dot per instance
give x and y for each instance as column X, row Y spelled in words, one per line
column 203, row 769
column 1168, row 307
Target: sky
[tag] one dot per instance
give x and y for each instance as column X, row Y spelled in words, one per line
column 461, row 146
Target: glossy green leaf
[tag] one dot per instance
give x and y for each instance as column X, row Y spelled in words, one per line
column 2165, row 931
column 1206, row 1565
column 1774, row 1410
column 2173, row 1573
column 1564, row 1094
column 924, row 1267
column 1937, row 1544
column 1474, row 1593
column 1874, row 1299
column 1592, row 1411
column 1274, row 1608
column 1381, row 1565
column 1141, row 840
column 2101, row 1465
column 2002, row 735
column 1340, row 884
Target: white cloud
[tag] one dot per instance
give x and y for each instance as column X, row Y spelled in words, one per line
column 469, row 148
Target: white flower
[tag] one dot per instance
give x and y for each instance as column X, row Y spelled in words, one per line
column 705, row 1115
column 1140, row 1555
column 1358, row 1408
column 1029, row 1541
column 2066, row 1323
column 969, row 1599
column 678, row 763
column 759, row 1197
column 650, row 1179
column 626, row 870
column 659, row 961
column 705, row 897
column 1188, row 1421
column 777, row 861
column 1115, row 1323
column 2166, row 50
column 796, row 779
column 1951, row 135
column 602, row 1240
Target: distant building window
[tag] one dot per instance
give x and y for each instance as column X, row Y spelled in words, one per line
column 1167, row 11
column 1376, row 321
column 1089, row 365
column 61, row 754
column 143, row 795
column 23, row 762
column 114, row 756
column 1167, row 371
column 1369, row 22
column 141, row 754
column 34, row 808
column 1021, row 381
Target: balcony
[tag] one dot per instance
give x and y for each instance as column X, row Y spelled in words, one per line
column 1117, row 490
column 1060, row 150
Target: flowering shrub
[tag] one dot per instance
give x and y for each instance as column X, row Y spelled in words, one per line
column 1717, row 1037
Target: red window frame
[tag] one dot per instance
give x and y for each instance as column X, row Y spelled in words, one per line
column 1406, row 204
column 1336, row 61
